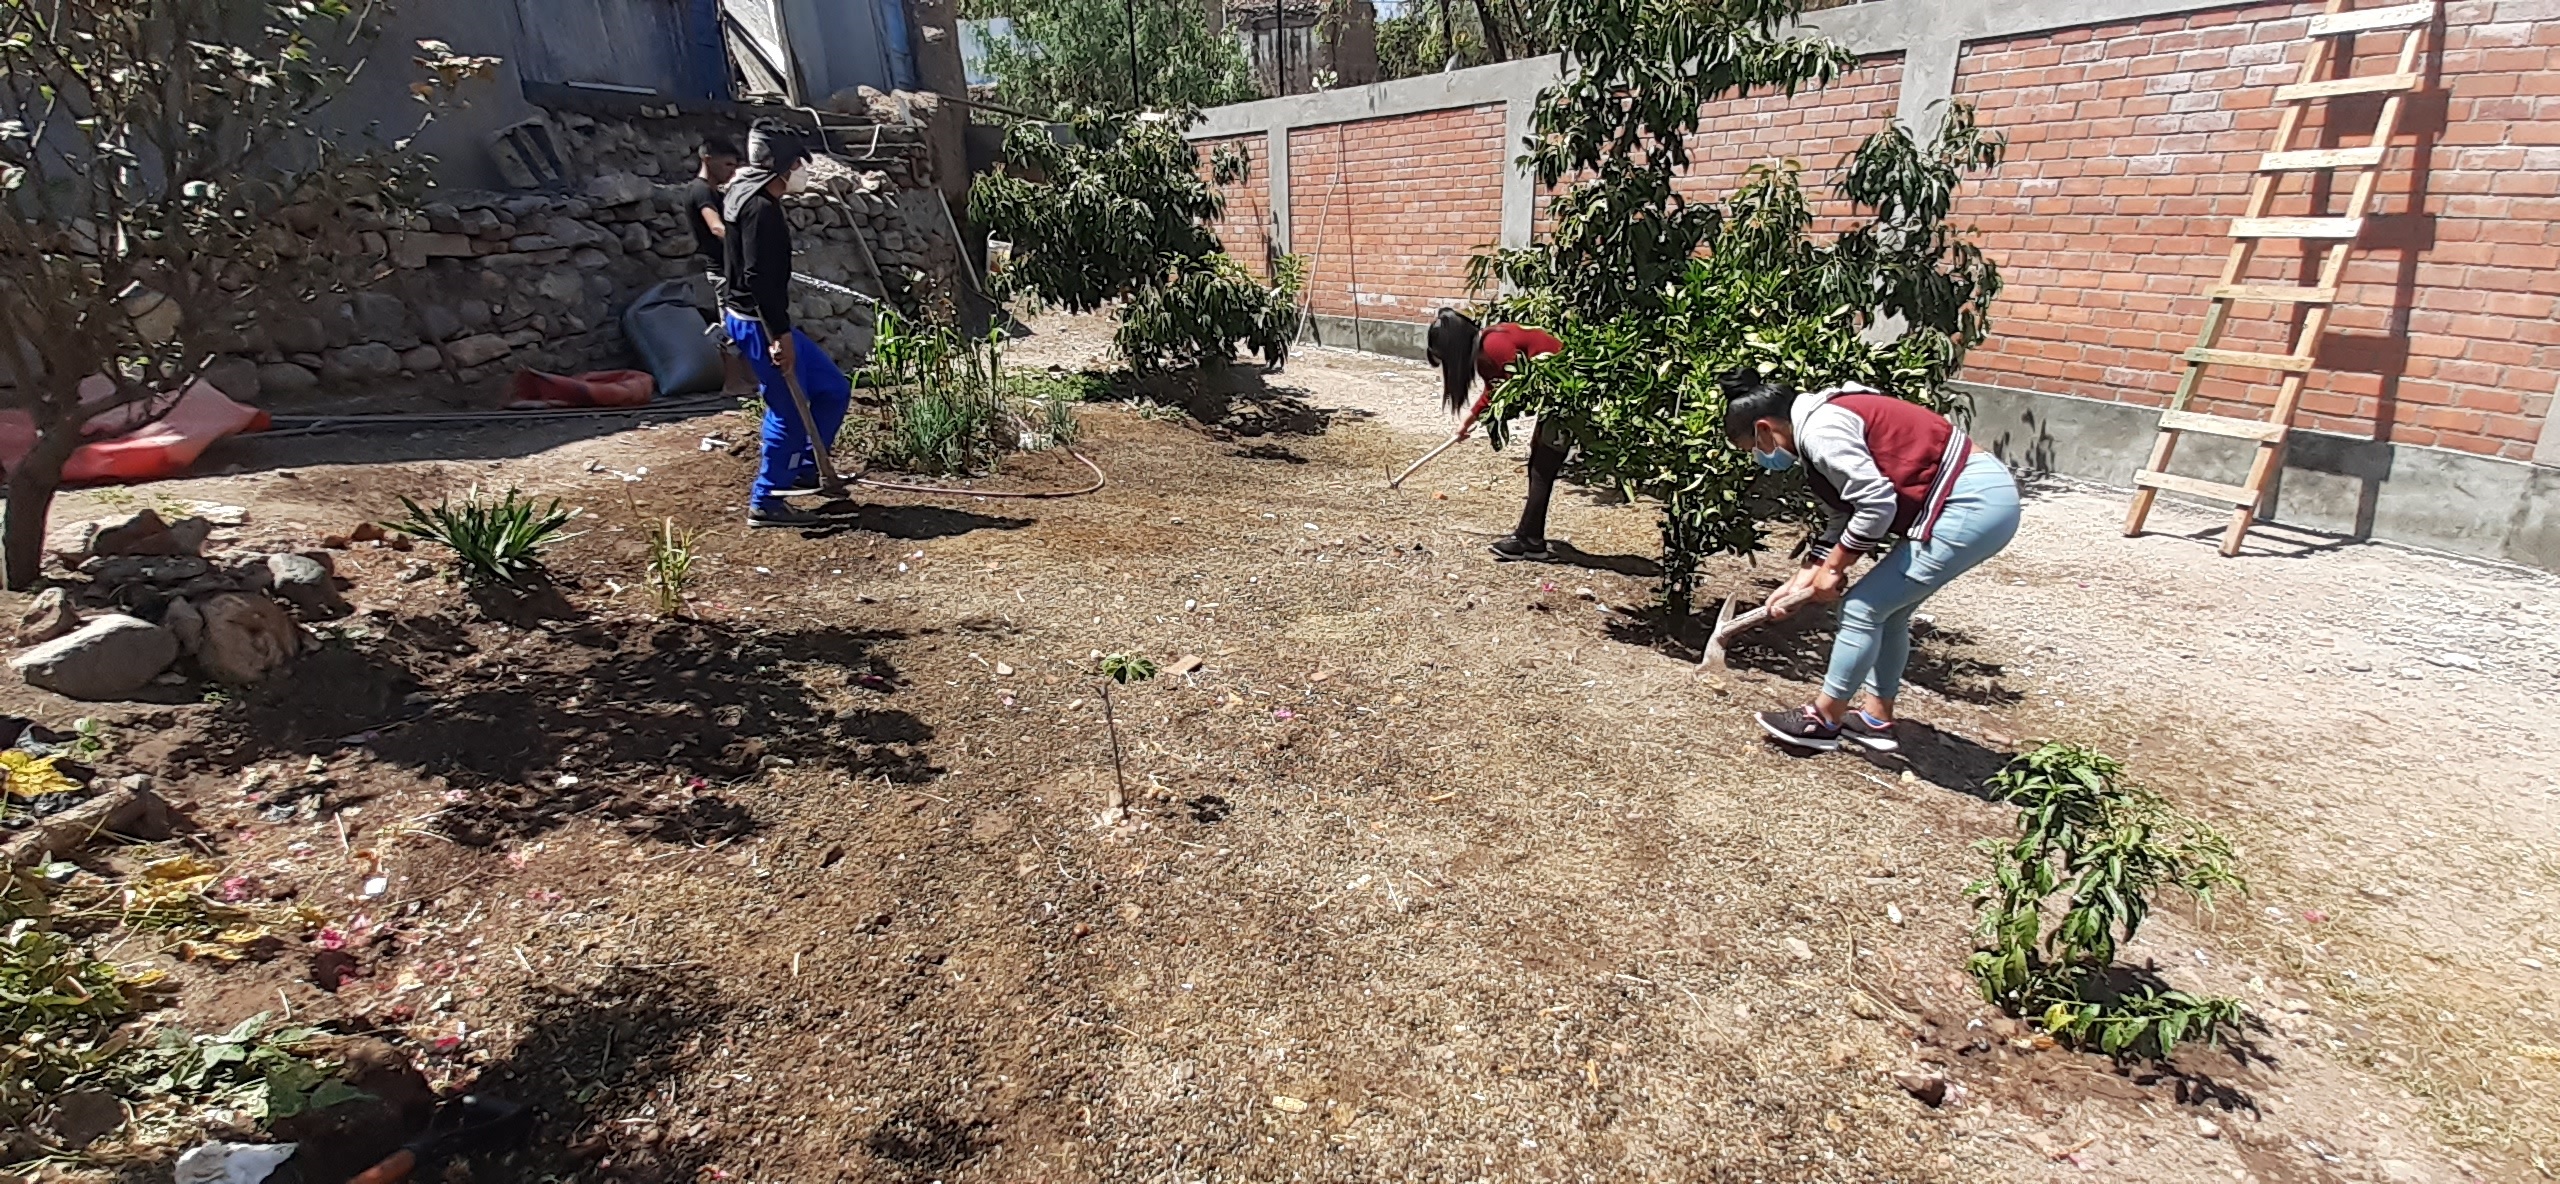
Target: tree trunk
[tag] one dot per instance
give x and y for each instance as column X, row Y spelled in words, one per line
column 31, row 488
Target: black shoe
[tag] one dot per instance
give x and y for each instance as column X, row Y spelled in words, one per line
column 1860, row 728
column 1508, row 548
column 1801, row 728
column 781, row 515
column 802, row 484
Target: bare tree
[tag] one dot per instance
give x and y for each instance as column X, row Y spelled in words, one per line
column 163, row 172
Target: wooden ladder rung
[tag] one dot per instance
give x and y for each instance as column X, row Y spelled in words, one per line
column 2333, row 87
column 2296, row 227
column 2398, row 16
column 2221, row 425
column 2366, row 157
column 2236, row 495
column 2292, row 363
column 2272, row 293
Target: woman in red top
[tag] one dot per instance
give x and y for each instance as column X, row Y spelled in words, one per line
column 1465, row 353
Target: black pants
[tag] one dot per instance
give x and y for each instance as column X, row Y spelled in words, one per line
column 1547, row 450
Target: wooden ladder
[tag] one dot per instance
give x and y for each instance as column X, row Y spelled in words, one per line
column 2255, row 227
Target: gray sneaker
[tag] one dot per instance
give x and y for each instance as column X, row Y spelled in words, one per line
column 1508, row 549
column 1857, row 727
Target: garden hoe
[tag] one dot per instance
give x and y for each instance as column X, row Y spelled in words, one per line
column 1427, row 458
column 1728, row 624
column 463, row 1126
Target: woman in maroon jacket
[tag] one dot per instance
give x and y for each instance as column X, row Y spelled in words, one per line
column 1464, row 354
column 1888, row 469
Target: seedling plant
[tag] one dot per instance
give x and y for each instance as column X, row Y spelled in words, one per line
column 2105, row 847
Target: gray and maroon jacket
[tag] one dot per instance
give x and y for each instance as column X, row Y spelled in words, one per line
column 1883, row 466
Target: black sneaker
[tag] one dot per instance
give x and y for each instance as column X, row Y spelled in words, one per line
column 1508, row 548
column 1801, row 728
column 779, row 514
column 1877, row 734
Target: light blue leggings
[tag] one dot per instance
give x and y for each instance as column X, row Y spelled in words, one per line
column 1874, row 642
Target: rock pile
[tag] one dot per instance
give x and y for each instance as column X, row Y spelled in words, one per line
column 154, row 599
column 477, row 285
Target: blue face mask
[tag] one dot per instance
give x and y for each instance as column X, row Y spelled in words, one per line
column 1776, row 460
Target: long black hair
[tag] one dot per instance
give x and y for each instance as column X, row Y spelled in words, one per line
column 1750, row 397
column 1451, row 345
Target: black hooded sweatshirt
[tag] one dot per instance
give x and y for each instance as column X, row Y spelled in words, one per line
column 757, row 261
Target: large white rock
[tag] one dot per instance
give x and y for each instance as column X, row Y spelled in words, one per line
column 108, row 658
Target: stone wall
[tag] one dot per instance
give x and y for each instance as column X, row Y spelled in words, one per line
column 477, row 285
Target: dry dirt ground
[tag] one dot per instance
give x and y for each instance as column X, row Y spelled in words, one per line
column 1439, row 869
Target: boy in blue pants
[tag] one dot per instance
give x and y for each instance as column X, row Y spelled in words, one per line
column 756, row 314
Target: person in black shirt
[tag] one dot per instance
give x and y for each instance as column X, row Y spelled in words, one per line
column 755, row 243
column 720, row 158
column 702, row 201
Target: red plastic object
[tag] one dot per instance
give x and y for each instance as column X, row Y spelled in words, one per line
column 162, row 449
column 535, row 389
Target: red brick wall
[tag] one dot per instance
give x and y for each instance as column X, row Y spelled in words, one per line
column 1817, row 129
column 1396, row 207
column 1246, row 228
column 2130, row 147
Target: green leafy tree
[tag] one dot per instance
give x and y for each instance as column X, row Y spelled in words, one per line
column 1655, row 295
column 1120, row 212
column 2106, row 846
column 162, row 174
column 1065, row 55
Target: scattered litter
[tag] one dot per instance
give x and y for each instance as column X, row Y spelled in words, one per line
column 376, row 886
column 1283, row 1102
column 708, row 444
column 232, row 1163
column 1802, row 952
column 1004, row 670
column 32, row 776
column 1183, row 665
column 1893, row 913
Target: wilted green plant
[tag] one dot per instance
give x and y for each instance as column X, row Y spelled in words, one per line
column 269, row 1075
column 59, row 1007
column 496, row 542
column 670, row 565
column 1127, row 668
column 2105, row 845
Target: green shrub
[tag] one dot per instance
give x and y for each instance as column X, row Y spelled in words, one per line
column 495, row 542
column 1121, row 212
column 1205, row 309
column 2105, row 846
